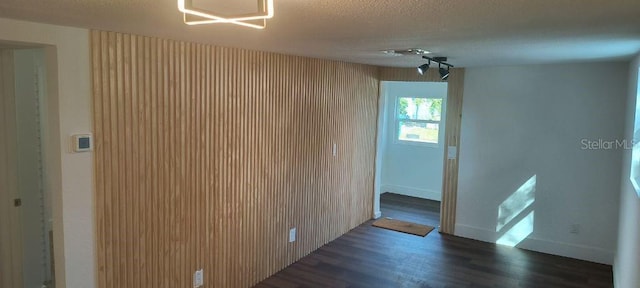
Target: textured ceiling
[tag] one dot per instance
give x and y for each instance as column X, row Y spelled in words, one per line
column 470, row 32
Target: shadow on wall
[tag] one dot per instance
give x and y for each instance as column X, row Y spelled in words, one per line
column 516, row 215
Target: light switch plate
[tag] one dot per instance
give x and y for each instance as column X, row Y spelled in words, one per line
column 198, row 278
column 452, row 152
column 292, row 235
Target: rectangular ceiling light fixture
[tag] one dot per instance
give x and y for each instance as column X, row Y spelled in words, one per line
column 197, row 16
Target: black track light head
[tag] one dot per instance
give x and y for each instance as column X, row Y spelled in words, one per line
column 444, row 73
column 422, row 69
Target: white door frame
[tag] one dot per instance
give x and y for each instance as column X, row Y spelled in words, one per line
column 455, row 92
column 381, row 135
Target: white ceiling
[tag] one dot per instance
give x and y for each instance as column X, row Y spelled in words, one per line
column 469, row 32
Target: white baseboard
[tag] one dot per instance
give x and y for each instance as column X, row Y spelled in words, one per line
column 577, row 251
column 377, row 214
column 475, row 233
column 411, row 191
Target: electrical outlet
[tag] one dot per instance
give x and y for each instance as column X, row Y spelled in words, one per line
column 574, row 229
column 198, row 278
column 292, row 235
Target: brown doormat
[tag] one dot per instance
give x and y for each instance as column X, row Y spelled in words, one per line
column 402, row 226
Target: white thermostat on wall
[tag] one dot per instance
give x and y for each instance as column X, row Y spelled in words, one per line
column 82, row 142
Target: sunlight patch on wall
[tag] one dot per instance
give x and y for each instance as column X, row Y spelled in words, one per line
column 516, row 203
column 511, row 209
column 518, row 232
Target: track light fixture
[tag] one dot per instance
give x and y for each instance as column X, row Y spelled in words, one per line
column 442, row 61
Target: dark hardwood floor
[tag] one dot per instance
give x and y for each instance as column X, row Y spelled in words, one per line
column 372, row 257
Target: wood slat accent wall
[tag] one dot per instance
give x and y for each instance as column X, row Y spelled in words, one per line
column 10, row 235
column 206, row 156
column 452, row 136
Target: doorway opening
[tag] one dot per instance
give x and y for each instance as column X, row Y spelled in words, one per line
column 411, row 147
column 26, row 221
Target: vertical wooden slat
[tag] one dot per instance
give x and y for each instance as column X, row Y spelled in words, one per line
column 127, row 154
column 145, row 171
column 99, row 167
column 6, row 277
column 452, row 134
column 119, row 146
column 10, row 219
column 206, row 156
column 164, row 136
column 157, row 259
column 133, row 189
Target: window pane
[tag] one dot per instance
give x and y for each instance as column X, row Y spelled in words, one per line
column 419, row 108
column 418, row 132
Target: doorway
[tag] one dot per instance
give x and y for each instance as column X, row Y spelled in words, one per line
column 26, row 222
column 451, row 144
column 409, row 169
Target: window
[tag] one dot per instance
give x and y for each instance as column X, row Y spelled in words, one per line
column 635, row 152
column 418, row 119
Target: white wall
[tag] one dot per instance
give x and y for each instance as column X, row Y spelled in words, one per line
column 411, row 169
column 35, row 245
column 69, row 176
column 525, row 121
column 627, row 261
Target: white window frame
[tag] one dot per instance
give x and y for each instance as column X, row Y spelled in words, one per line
column 396, row 137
